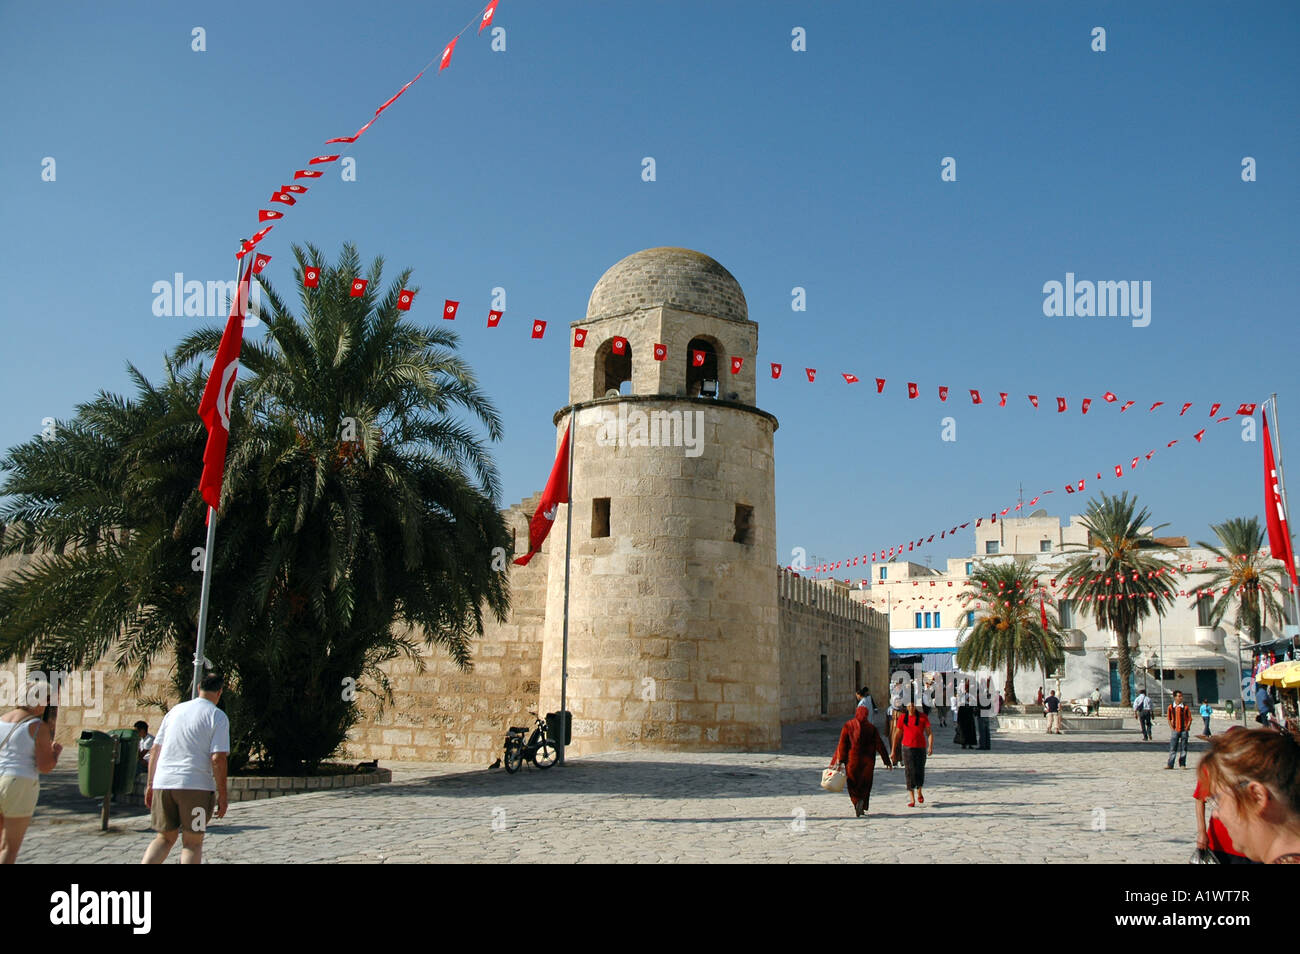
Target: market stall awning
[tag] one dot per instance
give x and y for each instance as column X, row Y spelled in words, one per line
column 1284, row 674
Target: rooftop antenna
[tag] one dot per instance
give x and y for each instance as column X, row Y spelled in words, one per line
column 1021, row 498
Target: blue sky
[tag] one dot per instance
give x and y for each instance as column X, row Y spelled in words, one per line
column 818, row 169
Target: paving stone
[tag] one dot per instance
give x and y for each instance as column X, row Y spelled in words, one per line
column 1090, row 797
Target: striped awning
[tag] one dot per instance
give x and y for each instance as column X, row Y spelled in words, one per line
column 1193, row 662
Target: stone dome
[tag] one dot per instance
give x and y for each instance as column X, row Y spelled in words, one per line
column 676, row 277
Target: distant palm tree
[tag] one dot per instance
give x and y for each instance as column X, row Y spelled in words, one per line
column 1243, row 580
column 1123, row 577
column 1011, row 632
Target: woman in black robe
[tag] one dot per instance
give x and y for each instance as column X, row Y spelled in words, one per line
column 967, row 736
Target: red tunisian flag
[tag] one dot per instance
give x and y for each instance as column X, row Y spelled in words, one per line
column 214, row 408
column 1279, row 535
column 556, row 493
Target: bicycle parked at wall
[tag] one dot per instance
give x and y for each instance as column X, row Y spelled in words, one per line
column 539, row 747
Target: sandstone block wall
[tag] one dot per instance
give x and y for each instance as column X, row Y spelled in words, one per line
column 445, row 715
column 816, row 621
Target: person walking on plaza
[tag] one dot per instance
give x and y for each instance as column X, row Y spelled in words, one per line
column 1094, row 702
column 1142, row 711
column 27, row 751
column 984, row 714
column 954, row 703
column 1180, row 724
column 912, row 730
column 1052, row 706
column 864, row 699
column 1263, row 705
column 1253, row 777
column 1038, row 701
column 187, row 774
column 859, row 745
column 967, row 735
column 1206, row 711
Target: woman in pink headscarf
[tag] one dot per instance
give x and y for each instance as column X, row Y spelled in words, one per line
column 859, row 745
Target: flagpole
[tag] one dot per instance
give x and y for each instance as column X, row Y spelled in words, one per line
column 203, row 602
column 1286, row 512
column 568, row 548
column 205, row 587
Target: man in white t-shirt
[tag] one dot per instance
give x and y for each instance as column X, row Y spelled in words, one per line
column 187, row 774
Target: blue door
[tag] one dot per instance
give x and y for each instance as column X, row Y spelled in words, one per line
column 1114, row 681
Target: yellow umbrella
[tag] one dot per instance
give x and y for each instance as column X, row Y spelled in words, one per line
column 1284, row 674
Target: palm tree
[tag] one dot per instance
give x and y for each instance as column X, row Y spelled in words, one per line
column 1242, row 579
column 1123, row 576
column 358, row 517
column 1011, row 633
column 102, row 502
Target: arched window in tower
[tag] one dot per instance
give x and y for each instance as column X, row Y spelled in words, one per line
column 613, row 370
column 697, row 374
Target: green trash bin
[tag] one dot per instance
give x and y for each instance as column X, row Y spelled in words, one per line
column 128, row 758
column 96, row 755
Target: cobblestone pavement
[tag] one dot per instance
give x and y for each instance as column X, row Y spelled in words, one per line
column 1083, row 797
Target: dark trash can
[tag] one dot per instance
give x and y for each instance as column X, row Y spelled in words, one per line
column 96, row 757
column 128, row 760
column 553, row 726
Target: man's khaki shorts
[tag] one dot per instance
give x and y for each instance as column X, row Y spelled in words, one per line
column 18, row 796
column 174, row 808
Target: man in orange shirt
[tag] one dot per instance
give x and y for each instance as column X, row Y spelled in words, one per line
column 1180, row 725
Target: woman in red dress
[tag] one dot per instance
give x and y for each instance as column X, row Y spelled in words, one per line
column 859, row 743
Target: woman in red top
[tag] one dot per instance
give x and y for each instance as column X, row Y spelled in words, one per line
column 859, row 743
column 1253, row 777
column 912, row 728
column 1213, row 836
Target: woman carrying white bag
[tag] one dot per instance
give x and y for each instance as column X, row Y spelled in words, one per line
column 856, row 754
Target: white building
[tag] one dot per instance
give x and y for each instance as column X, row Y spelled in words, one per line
column 926, row 609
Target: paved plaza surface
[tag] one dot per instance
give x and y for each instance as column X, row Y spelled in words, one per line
column 1083, row 797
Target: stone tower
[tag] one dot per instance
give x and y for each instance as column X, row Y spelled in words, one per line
column 673, row 614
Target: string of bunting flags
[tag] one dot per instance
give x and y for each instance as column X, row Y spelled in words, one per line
column 883, row 555
column 1047, row 590
column 289, row 194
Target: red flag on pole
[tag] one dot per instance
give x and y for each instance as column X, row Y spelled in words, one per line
column 1279, row 535
column 214, row 407
column 1042, row 608
column 556, row 493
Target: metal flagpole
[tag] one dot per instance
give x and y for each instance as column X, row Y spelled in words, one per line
column 203, row 602
column 1286, row 511
column 1161, row 671
column 568, row 548
column 205, row 588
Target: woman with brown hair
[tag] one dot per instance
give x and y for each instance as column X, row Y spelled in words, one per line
column 912, row 729
column 859, row 744
column 1254, row 779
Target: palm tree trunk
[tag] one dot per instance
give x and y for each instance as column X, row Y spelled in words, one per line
column 1125, row 671
column 1011, row 683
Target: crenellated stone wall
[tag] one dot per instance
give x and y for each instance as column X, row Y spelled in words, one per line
column 817, row 621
